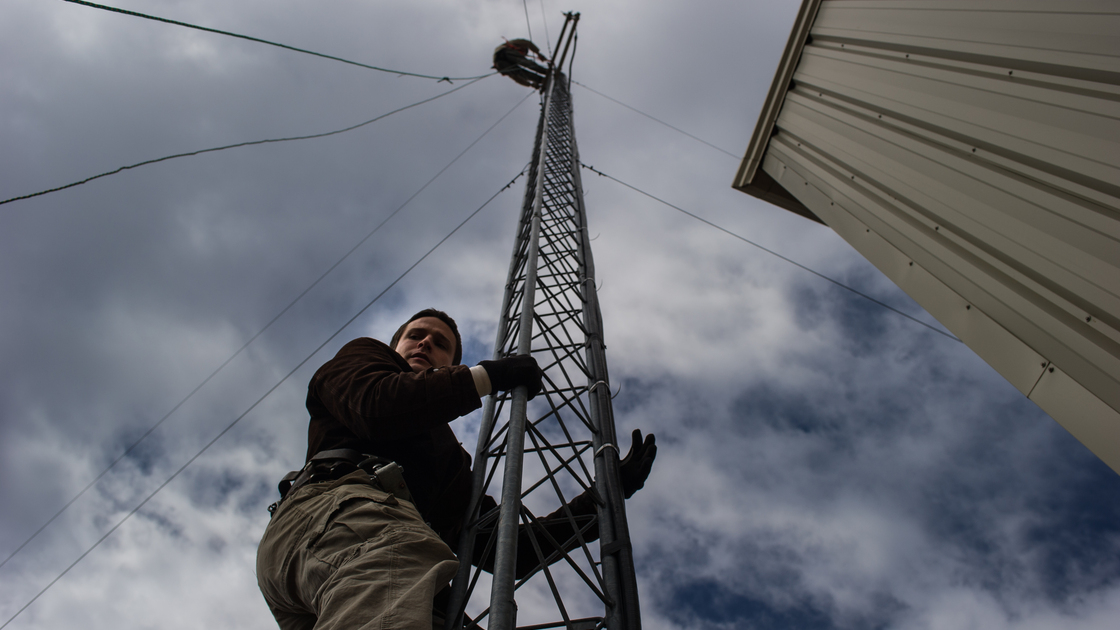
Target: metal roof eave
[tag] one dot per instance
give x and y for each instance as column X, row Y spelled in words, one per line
column 749, row 178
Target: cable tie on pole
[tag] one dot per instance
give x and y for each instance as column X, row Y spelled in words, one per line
column 606, row 446
column 615, row 547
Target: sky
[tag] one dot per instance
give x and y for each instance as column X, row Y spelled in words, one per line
column 823, row 463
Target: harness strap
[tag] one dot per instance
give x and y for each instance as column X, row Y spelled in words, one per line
column 334, row 464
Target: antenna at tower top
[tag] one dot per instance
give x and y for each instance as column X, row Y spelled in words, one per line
column 566, row 37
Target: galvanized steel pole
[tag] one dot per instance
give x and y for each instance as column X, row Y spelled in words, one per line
column 503, row 608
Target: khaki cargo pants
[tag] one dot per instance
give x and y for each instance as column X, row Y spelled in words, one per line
column 345, row 555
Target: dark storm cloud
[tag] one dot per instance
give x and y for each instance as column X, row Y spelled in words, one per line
column 707, row 603
column 894, row 433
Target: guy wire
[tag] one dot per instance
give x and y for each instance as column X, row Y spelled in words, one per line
column 258, row 334
column 270, row 43
column 774, row 253
column 239, row 144
column 261, row 399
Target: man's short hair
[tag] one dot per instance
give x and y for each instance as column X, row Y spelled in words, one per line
column 441, row 316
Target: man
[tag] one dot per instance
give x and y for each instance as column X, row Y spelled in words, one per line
column 346, row 549
column 512, row 59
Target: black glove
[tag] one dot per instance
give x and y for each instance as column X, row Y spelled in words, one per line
column 507, row 373
column 635, row 467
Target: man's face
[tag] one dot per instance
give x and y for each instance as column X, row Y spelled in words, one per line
column 427, row 343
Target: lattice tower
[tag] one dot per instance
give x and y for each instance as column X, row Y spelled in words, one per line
column 561, row 443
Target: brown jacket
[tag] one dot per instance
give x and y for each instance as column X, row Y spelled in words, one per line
column 367, row 398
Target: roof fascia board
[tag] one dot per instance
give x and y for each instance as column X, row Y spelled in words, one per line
column 806, row 15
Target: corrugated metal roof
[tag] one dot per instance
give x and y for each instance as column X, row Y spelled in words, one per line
column 970, row 150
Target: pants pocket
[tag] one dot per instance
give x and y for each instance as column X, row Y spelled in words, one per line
column 358, row 514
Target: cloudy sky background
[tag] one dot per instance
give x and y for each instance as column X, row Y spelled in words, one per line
column 824, row 463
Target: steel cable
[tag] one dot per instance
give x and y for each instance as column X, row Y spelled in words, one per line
column 240, row 144
column 677, row 129
column 547, row 37
column 529, row 27
column 258, row 334
column 774, row 253
column 270, row 43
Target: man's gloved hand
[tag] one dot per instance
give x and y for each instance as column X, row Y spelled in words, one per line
column 635, row 467
column 507, row 373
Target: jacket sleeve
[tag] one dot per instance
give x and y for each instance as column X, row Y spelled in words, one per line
column 555, row 528
column 374, row 393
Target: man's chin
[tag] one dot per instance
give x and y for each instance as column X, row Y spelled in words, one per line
column 419, row 365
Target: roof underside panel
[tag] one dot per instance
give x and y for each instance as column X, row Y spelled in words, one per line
column 970, row 150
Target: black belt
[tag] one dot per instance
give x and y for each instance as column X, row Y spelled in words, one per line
column 336, row 464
